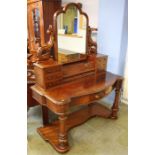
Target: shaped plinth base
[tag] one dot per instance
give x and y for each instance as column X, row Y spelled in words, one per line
column 50, row 132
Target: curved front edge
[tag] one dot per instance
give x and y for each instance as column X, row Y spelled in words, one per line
column 92, row 97
column 58, row 109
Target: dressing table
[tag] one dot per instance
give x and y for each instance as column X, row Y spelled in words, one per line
column 74, row 76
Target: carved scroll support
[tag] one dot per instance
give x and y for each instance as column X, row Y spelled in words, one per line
column 92, row 45
column 43, row 53
column 115, row 106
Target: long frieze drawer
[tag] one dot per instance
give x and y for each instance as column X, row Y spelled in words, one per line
column 82, row 100
column 86, row 99
column 54, row 76
column 101, row 94
column 53, row 69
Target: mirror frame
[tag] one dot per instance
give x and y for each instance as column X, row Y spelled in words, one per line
column 63, row 10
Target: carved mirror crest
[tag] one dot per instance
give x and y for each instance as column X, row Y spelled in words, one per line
column 70, row 33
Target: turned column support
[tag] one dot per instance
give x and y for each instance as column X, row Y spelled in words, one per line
column 115, row 106
column 63, row 140
column 45, row 118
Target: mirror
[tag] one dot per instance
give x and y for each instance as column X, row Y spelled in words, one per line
column 71, row 25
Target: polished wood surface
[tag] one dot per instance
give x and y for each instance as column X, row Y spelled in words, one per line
column 65, row 93
column 49, row 132
column 59, row 87
column 52, row 73
column 84, row 91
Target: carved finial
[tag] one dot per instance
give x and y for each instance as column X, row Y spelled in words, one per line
column 80, row 5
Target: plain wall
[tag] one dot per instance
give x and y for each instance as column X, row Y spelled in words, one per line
column 112, row 34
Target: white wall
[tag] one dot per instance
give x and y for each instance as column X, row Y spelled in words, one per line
column 125, row 84
column 113, row 33
column 91, row 7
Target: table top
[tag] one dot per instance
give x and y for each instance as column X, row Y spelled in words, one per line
column 89, row 85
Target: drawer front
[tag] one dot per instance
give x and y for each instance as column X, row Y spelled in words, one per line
column 102, row 63
column 86, row 99
column 54, row 76
column 53, row 69
column 97, row 96
column 78, row 68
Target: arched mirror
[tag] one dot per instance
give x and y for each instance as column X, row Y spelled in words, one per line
column 71, row 29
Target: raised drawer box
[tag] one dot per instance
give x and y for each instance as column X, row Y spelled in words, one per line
column 48, row 76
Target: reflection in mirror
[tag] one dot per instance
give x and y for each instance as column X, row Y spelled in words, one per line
column 36, row 20
column 71, row 27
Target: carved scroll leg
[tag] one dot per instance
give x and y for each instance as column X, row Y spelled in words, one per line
column 63, row 139
column 115, row 106
column 45, row 115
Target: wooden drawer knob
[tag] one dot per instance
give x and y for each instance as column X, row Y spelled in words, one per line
column 97, row 96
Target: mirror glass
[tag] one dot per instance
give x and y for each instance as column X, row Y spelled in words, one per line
column 71, row 34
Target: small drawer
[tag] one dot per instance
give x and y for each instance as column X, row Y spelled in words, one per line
column 97, row 96
column 86, row 99
column 54, row 76
column 89, row 65
column 82, row 100
column 102, row 61
column 102, row 64
column 52, row 69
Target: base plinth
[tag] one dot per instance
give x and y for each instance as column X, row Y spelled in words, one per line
column 50, row 132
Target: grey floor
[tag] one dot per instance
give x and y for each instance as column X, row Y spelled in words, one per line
column 98, row 136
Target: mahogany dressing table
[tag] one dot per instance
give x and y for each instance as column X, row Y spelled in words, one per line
column 76, row 75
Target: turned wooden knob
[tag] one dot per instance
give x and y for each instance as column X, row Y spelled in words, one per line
column 97, row 96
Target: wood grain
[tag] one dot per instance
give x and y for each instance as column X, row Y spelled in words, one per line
column 62, row 86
